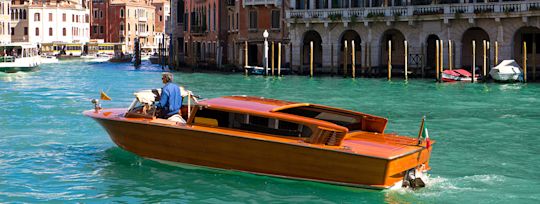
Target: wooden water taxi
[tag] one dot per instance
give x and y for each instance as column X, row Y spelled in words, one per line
column 272, row 137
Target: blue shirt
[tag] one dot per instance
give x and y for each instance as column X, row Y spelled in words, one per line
column 171, row 100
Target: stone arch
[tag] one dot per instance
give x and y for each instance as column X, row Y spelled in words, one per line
column 314, row 36
column 431, row 48
column 398, row 49
column 530, row 35
column 478, row 35
column 349, row 36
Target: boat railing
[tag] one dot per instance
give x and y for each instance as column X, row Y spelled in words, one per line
column 7, row 59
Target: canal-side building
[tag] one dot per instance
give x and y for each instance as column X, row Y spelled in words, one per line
column 5, row 21
column 372, row 24
column 161, row 23
column 206, row 32
column 48, row 21
column 122, row 21
column 177, row 28
column 247, row 20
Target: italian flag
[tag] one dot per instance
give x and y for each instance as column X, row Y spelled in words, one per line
column 425, row 134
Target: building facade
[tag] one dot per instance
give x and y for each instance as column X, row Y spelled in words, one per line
column 205, row 33
column 177, row 29
column 377, row 26
column 122, row 21
column 162, row 22
column 50, row 21
column 247, row 20
column 5, row 21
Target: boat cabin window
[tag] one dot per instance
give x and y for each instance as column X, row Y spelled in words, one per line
column 252, row 123
column 351, row 121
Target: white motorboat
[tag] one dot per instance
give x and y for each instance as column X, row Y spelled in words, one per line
column 507, row 71
column 19, row 57
column 48, row 59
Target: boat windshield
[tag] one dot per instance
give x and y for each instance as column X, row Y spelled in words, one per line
column 349, row 120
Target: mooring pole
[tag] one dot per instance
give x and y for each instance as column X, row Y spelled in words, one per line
column 525, row 61
column 272, row 58
column 441, row 49
column 534, row 60
column 496, row 54
column 450, row 56
column 484, row 57
column 353, row 60
column 311, row 59
column 473, row 60
column 279, row 59
column 345, row 61
column 389, row 60
column 246, row 58
column 437, row 59
column 406, row 60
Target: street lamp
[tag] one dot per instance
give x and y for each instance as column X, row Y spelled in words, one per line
column 265, row 35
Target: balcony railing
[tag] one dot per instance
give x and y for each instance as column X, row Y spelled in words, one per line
column 261, row 2
column 404, row 12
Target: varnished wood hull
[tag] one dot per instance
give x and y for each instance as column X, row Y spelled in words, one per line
column 188, row 145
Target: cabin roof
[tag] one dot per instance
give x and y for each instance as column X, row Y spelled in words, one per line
column 247, row 103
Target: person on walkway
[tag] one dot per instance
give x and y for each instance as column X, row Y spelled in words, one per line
column 171, row 100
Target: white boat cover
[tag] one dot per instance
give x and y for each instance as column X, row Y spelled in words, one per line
column 146, row 96
column 506, row 70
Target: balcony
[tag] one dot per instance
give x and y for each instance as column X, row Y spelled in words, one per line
column 143, row 19
column 231, row 2
column 276, row 3
column 413, row 13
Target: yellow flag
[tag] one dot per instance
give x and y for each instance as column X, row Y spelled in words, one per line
column 104, row 96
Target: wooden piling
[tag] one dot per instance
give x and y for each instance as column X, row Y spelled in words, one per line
column 272, row 58
column 524, row 61
column 353, row 60
column 441, row 65
column 437, row 59
column 406, row 60
column 450, row 56
column 389, row 60
column 473, row 60
column 496, row 61
column 484, row 69
column 311, row 59
column 279, row 59
column 246, row 58
column 345, row 53
column 534, row 60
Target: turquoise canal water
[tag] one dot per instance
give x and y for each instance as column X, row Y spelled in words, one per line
column 487, row 139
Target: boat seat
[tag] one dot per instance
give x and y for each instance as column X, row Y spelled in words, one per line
column 206, row 121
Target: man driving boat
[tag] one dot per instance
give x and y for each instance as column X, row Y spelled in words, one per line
column 171, row 100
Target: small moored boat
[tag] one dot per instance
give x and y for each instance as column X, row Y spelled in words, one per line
column 455, row 75
column 507, row 71
column 271, row 137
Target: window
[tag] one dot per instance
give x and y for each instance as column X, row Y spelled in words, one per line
column 73, row 18
column 36, row 17
column 64, row 31
column 50, row 17
column 95, row 13
column 25, row 30
column 275, row 19
column 12, row 31
column 24, row 14
column 102, row 30
column 253, row 20
column 37, row 31
column 63, row 17
column 253, row 123
column 87, row 20
column 160, row 18
column 50, row 32
column 100, row 14
column 122, row 27
column 121, row 13
column 94, row 29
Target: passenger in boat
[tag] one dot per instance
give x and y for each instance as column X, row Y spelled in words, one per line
column 171, row 100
